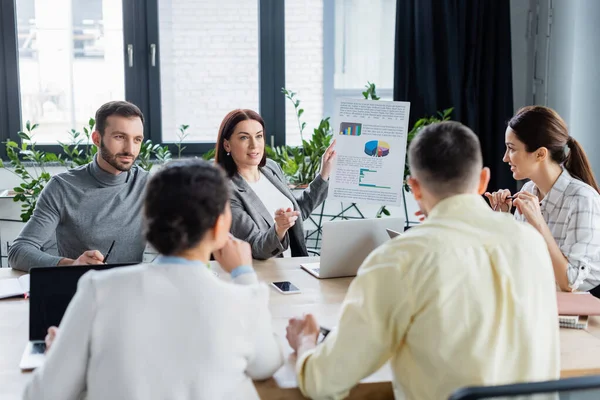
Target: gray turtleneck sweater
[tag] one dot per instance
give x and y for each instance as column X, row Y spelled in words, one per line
column 87, row 208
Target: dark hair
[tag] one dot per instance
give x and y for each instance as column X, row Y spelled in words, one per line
column 538, row 126
column 183, row 201
column 119, row 108
column 446, row 158
column 226, row 130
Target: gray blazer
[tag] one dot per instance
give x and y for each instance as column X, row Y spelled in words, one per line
column 253, row 223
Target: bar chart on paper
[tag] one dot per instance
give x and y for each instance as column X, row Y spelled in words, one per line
column 350, row 129
column 377, row 148
column 371, row 178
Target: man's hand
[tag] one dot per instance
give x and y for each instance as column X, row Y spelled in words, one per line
column 234, row 254
column 302, row 333
column 50, row 337
column 90, row 257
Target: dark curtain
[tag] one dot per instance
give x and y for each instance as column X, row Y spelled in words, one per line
column 457, row 53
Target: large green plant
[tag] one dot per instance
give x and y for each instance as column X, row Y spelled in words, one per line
column 149, row 149
column 300, row 164
column 74, row 156
column 33, row 178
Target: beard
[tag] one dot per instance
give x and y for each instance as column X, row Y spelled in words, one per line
column 113, row 159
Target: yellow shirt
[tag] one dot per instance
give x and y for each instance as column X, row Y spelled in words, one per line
column 466, row 298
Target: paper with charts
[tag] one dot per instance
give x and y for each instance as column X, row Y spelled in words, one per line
column 371, row 151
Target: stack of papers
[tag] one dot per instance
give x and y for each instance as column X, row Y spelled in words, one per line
column 574, row 309
column 573, row 321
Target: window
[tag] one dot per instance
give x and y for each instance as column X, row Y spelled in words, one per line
column 70, row 62
column 208, row 64
column 332, row 49
column 189, row 62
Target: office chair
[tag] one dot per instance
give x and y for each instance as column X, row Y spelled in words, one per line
column 596, row 291
column 581, row 388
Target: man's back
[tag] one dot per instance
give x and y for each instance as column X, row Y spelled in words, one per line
column 466, row 298
column 483, row 302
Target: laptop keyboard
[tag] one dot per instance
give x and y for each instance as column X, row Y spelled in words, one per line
column 38, row 348
column 317, row 270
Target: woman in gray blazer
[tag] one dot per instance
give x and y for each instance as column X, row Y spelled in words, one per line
column 265, row 212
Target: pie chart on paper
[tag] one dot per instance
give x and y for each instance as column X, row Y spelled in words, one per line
column 377, row 148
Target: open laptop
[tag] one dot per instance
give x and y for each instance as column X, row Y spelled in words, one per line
column 347, row 243
column 51, row 291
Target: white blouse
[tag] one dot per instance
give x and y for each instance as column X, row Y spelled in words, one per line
column 272, row 199
column 160, row 332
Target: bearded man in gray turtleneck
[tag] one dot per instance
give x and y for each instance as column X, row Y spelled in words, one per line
column 91, row 206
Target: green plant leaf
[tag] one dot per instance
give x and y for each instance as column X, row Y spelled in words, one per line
column 23, row 135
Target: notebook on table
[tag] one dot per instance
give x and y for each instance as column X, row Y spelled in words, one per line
column 14, row 287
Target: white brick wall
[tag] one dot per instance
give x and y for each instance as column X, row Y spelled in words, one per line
column 209, row 63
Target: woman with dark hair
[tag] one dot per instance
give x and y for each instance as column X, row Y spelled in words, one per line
column 265, row 211
column 562, row 199
column 169, row 329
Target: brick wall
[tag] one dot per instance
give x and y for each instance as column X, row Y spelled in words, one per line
column 209, row 62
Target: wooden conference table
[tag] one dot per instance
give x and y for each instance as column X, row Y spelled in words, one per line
column 580, row 349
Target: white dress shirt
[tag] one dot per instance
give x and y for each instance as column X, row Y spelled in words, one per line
column 160, row 331
column 572, row 211
column 466, row 298
column 272, row 198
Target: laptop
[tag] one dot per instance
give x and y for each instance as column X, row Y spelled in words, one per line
column 51, row 291
column 347, row 243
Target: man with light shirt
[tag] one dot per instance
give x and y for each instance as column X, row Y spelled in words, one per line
column 91, row 206
column 466, row 298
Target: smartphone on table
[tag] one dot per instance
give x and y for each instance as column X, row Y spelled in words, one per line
column 285, row 287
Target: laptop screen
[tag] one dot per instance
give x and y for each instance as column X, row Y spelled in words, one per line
column 50, row 292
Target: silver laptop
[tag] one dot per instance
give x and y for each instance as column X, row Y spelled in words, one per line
column 347, row 243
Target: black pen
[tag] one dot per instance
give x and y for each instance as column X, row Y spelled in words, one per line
column 108, row 252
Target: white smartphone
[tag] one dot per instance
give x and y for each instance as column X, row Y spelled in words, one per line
column 285, row 287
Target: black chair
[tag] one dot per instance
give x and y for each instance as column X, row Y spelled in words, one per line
column 584, row 388
column 596, row 292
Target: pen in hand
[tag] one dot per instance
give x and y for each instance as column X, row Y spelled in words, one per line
column 108, row 252
column 514, row 196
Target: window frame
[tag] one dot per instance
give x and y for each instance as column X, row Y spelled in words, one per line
column 10, row 111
